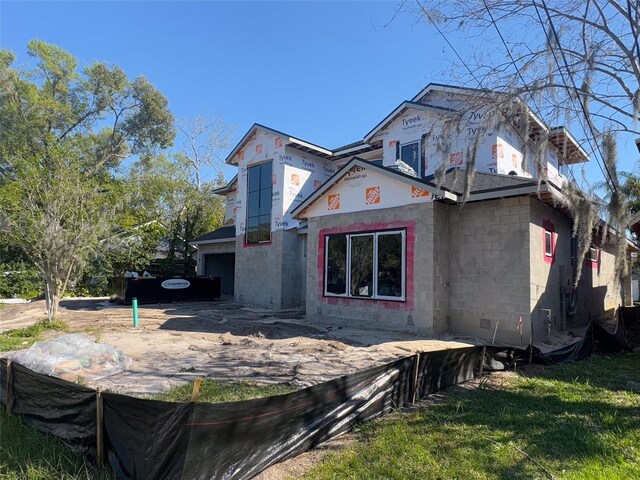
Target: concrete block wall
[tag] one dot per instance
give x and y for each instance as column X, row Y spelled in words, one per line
column 258, row 272
column 293, row 269
column 600, row 293
column 545, row 271
column 441, row 266
column 417, row 312
column 270, row 275
column 489, row 269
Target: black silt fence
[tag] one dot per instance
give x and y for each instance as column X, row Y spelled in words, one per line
column 238, row 440
column 150, row 439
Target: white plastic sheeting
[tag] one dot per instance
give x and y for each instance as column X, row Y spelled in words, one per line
column 72, row 357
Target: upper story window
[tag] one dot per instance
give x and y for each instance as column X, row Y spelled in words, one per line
column 410, row 154
column 259, row 203
column 563, row 169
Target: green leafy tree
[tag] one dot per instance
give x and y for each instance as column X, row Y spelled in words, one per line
column 168, row 187
column 64, row 133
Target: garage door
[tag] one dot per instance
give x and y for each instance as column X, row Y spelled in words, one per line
column 221, row 265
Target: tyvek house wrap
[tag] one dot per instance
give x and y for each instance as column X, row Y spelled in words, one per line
column 362, row 189
column 294, row 177
column 449, row 141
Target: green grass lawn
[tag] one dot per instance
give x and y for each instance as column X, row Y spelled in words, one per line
column 214, row 391
column 26, row 454
column 25, row 337
column 577, row 421
column 29, row 455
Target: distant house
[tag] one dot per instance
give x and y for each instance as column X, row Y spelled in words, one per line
column 372, row 233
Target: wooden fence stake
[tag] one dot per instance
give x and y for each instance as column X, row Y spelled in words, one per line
column 531, row 346
column 8, row 390
column 414, row 386
column 484, row 349
column 196, row 389
column 99, row 428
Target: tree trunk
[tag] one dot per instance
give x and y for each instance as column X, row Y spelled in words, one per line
column 53, row 295
column 54, row 304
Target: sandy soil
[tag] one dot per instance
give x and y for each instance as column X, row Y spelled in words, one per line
column 178, row 342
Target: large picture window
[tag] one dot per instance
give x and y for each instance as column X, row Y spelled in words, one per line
column 259, row 203
column 366, row 265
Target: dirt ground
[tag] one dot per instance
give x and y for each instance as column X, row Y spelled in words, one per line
column 181, row 341
column 222, row 340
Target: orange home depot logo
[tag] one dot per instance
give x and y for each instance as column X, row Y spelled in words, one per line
column 316, row 184
column 455, row 159
column 392, row 143
column 295, row 179
column 372, row 195
column 497, row 151
column 333, row 201
column 259, row 148
column 278, row 142
column 418, row 192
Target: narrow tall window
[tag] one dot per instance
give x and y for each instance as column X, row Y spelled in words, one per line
column 259, row 203
column 362, row 265
column 366, row 265
column 390, row 264
column 548, row 243
column 410, row 154
column 336, row 266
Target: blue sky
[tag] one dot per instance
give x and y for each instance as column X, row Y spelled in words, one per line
column 326, row 72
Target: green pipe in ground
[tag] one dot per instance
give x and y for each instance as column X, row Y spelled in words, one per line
column 134, row 305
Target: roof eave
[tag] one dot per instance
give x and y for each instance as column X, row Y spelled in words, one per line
column 562, row 131
column 336, row 177
column 254, row 128
column 396, row 111
column 217, row 240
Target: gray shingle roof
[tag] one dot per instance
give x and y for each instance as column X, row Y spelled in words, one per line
column 218, row 234
column 454, row 181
